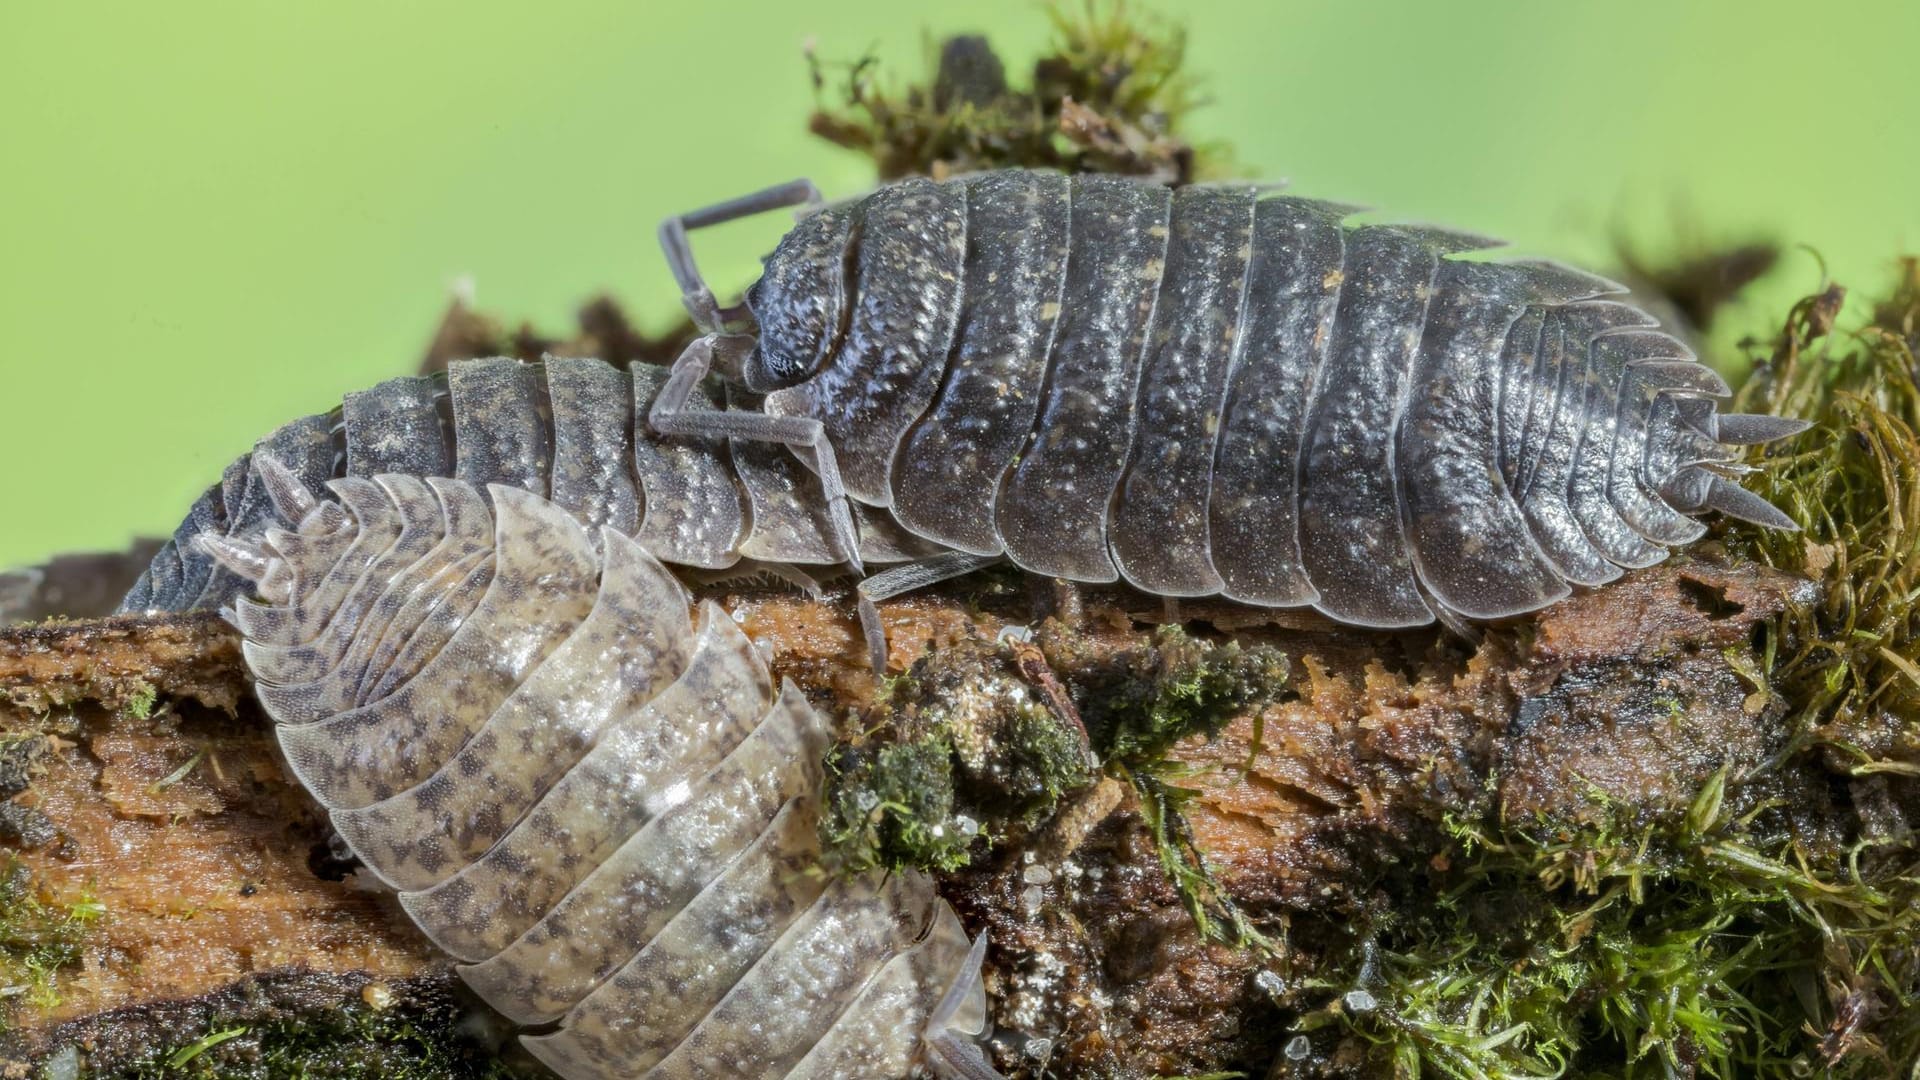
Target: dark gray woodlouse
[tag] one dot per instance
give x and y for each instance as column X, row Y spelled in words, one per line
column 606, row 812
column 1214, row 390
column 1219, row 391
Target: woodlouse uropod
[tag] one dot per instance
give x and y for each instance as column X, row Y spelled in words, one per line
column 607, row 813
column 1209, row 390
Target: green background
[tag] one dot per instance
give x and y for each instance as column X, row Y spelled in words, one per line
column 216, row 215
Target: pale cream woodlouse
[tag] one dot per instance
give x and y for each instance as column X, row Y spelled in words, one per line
column 604, row 810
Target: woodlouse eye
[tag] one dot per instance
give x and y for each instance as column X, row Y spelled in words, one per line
column 801, row 301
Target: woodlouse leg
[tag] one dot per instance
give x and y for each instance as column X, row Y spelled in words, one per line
column 1056, row 598
column 753, row 571
column 1456, row 625
column 698, row 297
column 669, row 415
column 903, row 579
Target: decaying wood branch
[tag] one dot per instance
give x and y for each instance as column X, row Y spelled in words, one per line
column 168, row 815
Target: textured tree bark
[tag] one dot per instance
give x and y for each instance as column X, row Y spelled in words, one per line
column 191, row 875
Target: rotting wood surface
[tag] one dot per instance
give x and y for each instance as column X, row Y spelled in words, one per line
column 169, row 808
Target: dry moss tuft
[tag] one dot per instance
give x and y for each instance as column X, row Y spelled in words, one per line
column 1110, row 96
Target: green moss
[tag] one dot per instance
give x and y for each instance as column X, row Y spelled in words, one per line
column 1137, row 710
column 1213, row 911
column 967, row 749
column 186, row 1054
column 893, row 807
column 1046, row 761
column 1110, row 96
column 38, row 940
column 140, row 705
column 1673, row 951
column 951, row 757
column 1853, row 665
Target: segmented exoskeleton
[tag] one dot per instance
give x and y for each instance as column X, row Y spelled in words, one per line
column 573, row 430
column 1217, row 390
column 607, row 812
column 1209, row 390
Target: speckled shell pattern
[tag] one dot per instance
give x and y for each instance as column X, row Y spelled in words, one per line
column 1220, row 390
column 600, row 804
column 571, row 430
column 1214, row 390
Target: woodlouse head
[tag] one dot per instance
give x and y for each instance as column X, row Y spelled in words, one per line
column 801, row 301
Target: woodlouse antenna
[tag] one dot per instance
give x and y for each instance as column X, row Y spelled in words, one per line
column 695, row 293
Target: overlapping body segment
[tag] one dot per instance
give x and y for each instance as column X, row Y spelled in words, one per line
column 1219, row 390
column 1245, row 394
column 1352, row 529
column 574, row 429
column 906, row 297
column 1469, row 540
column 1053, row 504
column 1253, row 504
column 608, row 815
column 1159, row 533
column 1016, row 263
